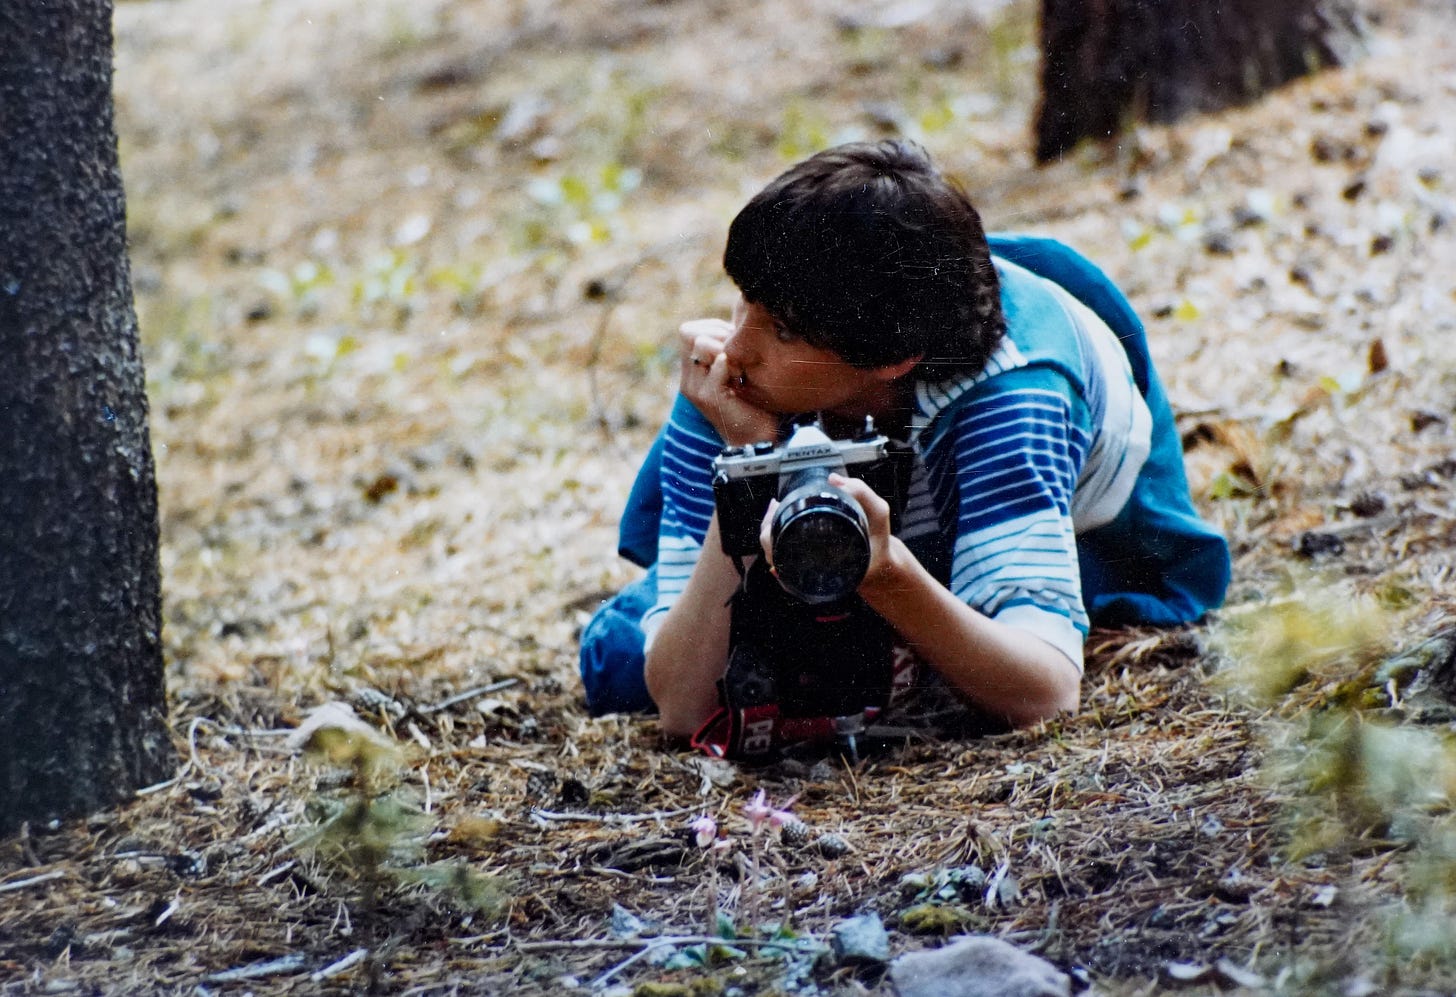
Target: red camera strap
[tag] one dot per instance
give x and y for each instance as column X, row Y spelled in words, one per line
column 756, row 733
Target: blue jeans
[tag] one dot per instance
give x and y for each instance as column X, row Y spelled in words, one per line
column 612, row 657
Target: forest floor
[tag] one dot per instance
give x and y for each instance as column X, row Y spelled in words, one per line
column 408, row 274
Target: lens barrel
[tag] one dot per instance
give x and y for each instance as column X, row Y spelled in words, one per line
column 821, row 546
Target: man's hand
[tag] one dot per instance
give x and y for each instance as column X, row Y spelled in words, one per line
column 708, row 381
column 886, row 551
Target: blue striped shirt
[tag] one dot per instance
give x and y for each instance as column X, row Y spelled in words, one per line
column 1011, row 464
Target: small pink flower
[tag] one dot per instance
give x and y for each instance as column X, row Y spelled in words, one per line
column 778, row 818
column 757, row 810
column 705, row 830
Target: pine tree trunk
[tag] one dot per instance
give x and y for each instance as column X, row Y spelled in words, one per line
column 82, row 713
column 1105, row 62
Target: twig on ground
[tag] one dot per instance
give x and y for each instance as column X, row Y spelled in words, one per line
column 282, row 966
column 611, row 818
column 343, row 965
column 156, row 787
column 468, row 694
column 21, row 884
column 802, row 941
column 275, row 872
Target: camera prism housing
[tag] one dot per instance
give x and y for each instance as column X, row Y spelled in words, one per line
column 820, row 533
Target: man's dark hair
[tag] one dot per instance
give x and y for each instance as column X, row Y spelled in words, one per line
column 869, row 251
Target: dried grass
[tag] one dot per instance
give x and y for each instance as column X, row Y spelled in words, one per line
column 398, row 497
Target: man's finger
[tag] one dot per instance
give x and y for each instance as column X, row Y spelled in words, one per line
column 874, row 504
column 765, row 532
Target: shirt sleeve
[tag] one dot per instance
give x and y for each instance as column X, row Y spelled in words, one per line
column 1018, row 449
column 689, row 445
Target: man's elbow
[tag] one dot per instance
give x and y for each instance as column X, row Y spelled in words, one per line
column 674, row 718
column 676, row 728
column 1063, row 696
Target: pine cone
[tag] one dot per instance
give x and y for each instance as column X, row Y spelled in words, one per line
column 795, row 834
column 541, row 786
column 831, row 846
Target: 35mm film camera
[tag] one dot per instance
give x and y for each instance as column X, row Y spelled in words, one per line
column 819, row 532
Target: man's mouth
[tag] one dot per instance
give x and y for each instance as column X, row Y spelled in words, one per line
column 740, row 387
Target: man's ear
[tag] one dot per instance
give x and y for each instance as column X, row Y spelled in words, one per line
column 895, row 371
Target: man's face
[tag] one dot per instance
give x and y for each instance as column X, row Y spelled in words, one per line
column 784, row 374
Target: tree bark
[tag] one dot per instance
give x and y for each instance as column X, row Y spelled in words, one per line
column 82, row 712
column 1107, row 61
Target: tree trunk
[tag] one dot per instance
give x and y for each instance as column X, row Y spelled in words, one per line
column 1107, row 61
column 82, row 713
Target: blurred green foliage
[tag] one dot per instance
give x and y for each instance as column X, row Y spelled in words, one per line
column 1358, row 774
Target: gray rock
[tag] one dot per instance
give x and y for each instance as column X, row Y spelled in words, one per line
column 977, row 966
column 861, row 939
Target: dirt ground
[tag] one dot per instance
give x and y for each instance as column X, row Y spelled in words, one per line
column 408, row 273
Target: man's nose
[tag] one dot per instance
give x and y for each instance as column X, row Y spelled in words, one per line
column 738, row 347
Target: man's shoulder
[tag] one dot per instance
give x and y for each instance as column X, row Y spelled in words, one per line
column 1010, row 393
column 1054, row 260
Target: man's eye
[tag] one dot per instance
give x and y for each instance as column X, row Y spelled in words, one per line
column 783, row 333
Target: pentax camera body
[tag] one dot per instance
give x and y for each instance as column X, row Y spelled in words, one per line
column 820, row 533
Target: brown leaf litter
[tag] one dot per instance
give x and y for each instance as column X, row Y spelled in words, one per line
column 405, row 316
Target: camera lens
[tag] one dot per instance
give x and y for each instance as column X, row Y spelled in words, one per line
column 820, row 540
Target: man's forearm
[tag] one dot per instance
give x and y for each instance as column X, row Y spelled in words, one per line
column 1009, row 672
column 689, row 652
